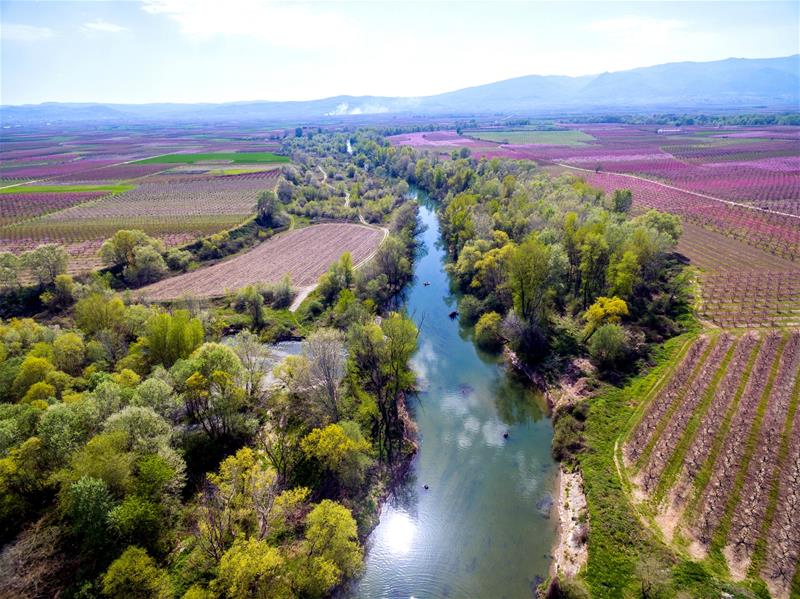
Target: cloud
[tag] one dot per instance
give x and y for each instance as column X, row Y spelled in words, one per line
column 104, row 26
column 288, row 24
column 15, row 32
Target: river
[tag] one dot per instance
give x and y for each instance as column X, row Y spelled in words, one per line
column 484, row 527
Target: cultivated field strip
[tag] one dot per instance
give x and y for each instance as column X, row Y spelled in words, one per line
column 754, row 498
column 717, row 453
column 783, row 536
column 694, row 392
column 664, row 401
column 714, row 499
column 713, row 420
column 303, row 254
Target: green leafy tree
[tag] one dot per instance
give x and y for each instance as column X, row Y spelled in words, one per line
column 135, row 575
column 622, row 200
column 46, row 262
column 605, row 310
column 120, row 249
column 530, row 279
column 32, row 370
column 341, row 450
column 9, row 270
column 86, row 505
column 330, row 551
column 172, row 336
column 147, row 266
column 608, row 345
column 98, row 312
column 136, row 521
column 252, row 568
column 488, row 333
column 69, row 352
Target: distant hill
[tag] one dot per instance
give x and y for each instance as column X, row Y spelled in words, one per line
column 735, row 83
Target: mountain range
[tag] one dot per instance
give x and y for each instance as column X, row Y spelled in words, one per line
column 734, row 83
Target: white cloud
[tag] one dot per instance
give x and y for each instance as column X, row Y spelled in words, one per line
column 16, row 32
column 288, row 24
column 104, row 26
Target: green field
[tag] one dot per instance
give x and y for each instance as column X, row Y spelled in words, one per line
column 569, row 137
column 113, row 188
column 234, row 157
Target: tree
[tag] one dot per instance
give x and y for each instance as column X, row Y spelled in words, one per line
column 69, row 352
column 86, row 506
column 668, row 224
column 324, row 350
column 252, row 568
column 135, row 575
column 254, row 357
column 158, row 395
column 269, row 209
column 97, row 312
column 340, row 276
column 62, row 294
column 380, row 356
column 488, row 332
column 171, row 337
column 120, row 249
column 624, row 274
column 9, row 270
column 340, row 449
column 214, row 400
column 330, row 551
column 147, row 266
column 608, row 345
column 250, row 300
column 46, row 262
column 604, row 310
column 529, row 276
column 32, row 370
column 622, row 200
column 136, row 521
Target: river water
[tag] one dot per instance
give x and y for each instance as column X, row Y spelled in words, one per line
column 484, row 528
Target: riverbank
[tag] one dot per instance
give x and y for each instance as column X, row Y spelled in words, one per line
column 570, row 552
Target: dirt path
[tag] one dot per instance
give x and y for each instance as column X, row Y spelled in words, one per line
column 571, row 551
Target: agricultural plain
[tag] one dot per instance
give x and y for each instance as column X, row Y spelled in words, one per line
column 78, row 187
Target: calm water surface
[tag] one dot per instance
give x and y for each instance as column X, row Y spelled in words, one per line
column 483, row 528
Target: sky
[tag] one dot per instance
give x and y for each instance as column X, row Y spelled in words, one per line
column 138, row 51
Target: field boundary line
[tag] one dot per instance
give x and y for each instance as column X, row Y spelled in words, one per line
column 694, row 193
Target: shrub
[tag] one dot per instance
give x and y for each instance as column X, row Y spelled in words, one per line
column 608, row 345
column 134, row 575
column 487, row 331
column 469, row 309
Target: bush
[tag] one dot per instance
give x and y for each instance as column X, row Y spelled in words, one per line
column 135, row 575
column 178, row 260
column 469, row 309
column 608, row 345
column 487, row 331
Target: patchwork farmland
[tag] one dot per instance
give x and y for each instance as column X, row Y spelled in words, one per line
column 715, row 454
column 78, row 188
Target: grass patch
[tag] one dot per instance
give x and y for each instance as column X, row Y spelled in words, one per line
column 112, row 188
column 569, row 137
column 234, row 157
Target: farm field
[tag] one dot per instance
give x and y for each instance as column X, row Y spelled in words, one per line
column 303, row 254
column 79, row 188
column 568, row 137
column 743, row 182
column 233, row 157
column 714, row 457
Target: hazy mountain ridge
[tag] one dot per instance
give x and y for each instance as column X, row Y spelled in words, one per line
column 731, row 83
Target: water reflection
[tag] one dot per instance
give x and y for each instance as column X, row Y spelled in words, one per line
column 482, row 527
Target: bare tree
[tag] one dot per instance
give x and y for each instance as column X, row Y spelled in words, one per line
column 326, row 357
